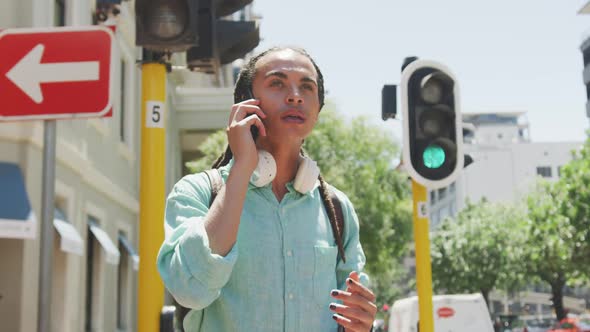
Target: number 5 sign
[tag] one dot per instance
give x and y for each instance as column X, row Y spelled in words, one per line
column 154, row 116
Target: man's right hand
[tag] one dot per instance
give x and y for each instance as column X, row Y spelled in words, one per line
column 243, row 116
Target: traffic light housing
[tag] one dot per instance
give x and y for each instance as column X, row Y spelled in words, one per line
column 388, row 102
column 221, row 41
column 432, row 125
column 166, row 25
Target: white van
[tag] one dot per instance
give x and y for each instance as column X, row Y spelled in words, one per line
column 452, row 313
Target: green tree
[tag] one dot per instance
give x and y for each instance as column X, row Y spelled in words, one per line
column 480, row 250
column 357, row 158
column 574, row 184
column 553, row 244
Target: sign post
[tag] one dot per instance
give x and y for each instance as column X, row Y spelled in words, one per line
column 152, row 196
column 47, row 207
column 49, row 74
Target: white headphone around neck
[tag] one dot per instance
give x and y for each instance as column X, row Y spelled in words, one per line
column 266, row 170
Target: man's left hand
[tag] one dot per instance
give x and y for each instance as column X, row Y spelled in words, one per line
column 357, row 311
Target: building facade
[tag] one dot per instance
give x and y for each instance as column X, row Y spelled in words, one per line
column 96, row 219
column 506, row 163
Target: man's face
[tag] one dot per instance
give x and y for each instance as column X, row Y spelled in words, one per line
column 286, row 85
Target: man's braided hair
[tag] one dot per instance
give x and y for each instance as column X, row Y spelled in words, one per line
column 242, row 92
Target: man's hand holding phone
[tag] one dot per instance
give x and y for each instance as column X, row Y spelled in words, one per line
column 244, row 116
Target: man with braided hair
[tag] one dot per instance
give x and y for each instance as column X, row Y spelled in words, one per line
column 266, row 257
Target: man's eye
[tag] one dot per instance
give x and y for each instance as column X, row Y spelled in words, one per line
column 308, row 87
column 276, row 83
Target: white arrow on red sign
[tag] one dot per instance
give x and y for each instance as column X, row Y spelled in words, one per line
column 29, row 73
column 58, row 72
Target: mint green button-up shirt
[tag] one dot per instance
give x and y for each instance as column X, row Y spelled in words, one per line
column 279, row 273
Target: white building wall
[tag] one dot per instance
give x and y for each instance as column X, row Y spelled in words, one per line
column 497, row 134
column 506, row 173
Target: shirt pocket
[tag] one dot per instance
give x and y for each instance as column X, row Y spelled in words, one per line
column 324, row 274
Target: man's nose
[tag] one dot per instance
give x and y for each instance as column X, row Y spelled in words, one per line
column 294, row 96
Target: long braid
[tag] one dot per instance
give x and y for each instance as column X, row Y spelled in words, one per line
column 336, row 231
column 224, row 158
column 324, row 192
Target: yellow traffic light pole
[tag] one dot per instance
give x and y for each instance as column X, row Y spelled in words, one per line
column 423, row 268
column 152, row 195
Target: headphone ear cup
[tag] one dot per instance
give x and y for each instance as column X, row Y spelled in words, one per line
column 307, row 174
column 265, row 171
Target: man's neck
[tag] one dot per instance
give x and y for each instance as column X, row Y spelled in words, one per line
column 287, row 159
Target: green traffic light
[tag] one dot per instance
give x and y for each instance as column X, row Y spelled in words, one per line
column 433, row 156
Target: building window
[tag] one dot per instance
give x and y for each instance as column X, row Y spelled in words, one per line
column 544, row 171
column 92, row 268
column 433, row 196
column 433, row 218
column 60, row 268
column 122, row 284
column 122, row 110
column 441, row 193
column 586, row 58
column 89, row 273
column 59, row 13
column 444, row 213
column 453, row 209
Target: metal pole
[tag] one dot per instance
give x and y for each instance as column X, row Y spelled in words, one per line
column 47, row 208
column 152, row 197
column 423, row 267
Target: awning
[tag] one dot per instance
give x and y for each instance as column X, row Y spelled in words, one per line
column 110, row 249
column 71, row 241
column 130, row 251
column 17, row 219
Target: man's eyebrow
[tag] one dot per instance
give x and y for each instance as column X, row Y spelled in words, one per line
column 276, row 73
column 282, row 75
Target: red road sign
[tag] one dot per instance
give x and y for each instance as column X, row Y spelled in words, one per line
column 56, row 73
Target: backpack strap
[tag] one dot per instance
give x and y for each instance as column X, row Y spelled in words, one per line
column 216, row 183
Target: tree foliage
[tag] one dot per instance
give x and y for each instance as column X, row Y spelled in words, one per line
column 559, row 226
column 480, row 250
column 551, row 255
column 574, row 185
column 357, row 158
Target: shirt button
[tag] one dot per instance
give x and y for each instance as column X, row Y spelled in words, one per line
column 289, row 253
column 290, row 296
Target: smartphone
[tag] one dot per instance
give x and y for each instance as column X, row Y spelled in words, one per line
column 253, row 129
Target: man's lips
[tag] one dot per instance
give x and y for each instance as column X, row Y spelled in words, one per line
column 293, row 116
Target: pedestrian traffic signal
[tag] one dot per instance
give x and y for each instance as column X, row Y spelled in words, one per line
column 166, row 25
column 221, row 41
column 432, row 129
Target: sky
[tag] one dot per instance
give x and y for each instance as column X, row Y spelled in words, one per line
column 507, row 55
